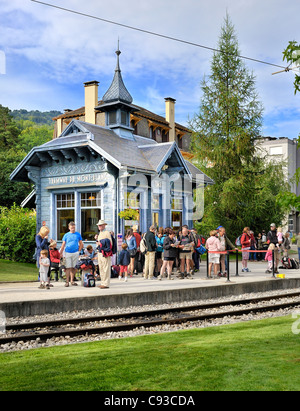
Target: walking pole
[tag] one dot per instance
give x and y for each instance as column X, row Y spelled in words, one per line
column 207, row 264
column 228, row 269
column 237, row 263
column 273, row 262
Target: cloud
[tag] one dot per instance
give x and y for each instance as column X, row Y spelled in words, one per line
column 57, row 51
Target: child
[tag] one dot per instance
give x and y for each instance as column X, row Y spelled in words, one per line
column 124, row 261
column 279, row 235
column 213, row 244
column 246, row 245
column 54, row 258
column 44, row 269
column 92, row 254
column 269, row 258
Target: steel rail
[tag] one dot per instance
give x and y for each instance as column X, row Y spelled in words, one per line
column 149, row 323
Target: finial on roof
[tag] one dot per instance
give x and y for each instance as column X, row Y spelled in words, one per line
column 118, row 52
column 117, row 90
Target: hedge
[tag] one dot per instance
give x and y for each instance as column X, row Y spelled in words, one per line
column 17, row 234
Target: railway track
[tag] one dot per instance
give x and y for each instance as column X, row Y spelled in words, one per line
column 87, row 326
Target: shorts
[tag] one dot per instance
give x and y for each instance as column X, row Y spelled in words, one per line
column 72, row 259
column 214, row 258
column 158, row 255
column 188, row 255
column 169, row 258
column 123, row 269
column 245, row 254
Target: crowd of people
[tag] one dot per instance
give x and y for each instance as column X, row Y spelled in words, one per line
column 155, row 253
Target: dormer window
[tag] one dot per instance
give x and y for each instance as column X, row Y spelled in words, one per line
column 112, row 117
column 124, row 118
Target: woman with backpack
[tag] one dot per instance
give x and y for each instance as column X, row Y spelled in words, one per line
column 246, row 245
column 170, row 252
column 132, row 248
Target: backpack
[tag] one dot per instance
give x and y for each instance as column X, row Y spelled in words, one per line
column 115, row 271
column 238, row 240
column 143, row 245
column 89, row 280
column 286, row 263
column 114, row 247
column 294, row 264
column 201, row 250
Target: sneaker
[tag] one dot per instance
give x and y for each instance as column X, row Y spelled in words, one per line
column 47, row 287
column 126, row 279
column 120, row 278
column 42, row 286
column 180, row 276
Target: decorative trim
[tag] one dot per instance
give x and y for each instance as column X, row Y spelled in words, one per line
column 93, row 167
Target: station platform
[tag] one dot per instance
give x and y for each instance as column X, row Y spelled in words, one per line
column 26, row 299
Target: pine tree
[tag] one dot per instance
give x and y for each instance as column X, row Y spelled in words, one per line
column 230, row 117
column 223, row 141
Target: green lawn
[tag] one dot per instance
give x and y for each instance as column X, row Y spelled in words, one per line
column 257, row 355
column 10, row 271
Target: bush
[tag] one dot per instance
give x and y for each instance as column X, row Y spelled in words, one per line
column 17, row 233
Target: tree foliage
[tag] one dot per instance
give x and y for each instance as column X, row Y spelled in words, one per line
column 225, row 133
column 17, row 233
column 17, row 138
column 288, row 199
column 292, row 55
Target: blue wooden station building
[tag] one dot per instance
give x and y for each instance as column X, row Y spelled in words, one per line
column 93, row 171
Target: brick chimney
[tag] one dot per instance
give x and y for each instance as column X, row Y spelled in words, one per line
column 91, row 100
column 170, row 117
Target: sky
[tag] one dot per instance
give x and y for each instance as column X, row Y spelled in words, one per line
column 47, row 54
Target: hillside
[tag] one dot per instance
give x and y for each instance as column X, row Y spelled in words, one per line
column 36, row 116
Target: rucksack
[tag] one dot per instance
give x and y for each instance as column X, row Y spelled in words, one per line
column 143, row 245
column 238, row 240
column 286, row 263
column 294, row 264
column 115, row 271
column 114, row 247
column 89, row 280
column 201, row 250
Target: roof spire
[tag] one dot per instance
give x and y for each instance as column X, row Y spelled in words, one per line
column 118, row 57
column 117, row 90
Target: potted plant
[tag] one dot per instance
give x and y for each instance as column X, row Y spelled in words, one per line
column 130, row 215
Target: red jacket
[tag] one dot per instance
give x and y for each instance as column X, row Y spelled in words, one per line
column 137, row 239
column 54, row 256
column 246, row 240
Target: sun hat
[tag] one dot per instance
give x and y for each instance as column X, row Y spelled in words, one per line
column 101, row 222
